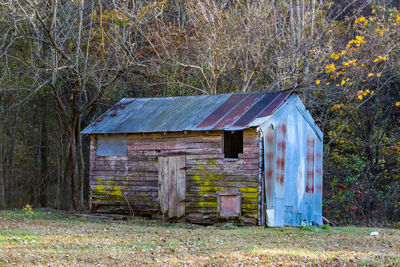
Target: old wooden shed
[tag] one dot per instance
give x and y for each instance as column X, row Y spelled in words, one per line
column 253, row 158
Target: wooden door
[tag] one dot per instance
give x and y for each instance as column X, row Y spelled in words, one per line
column 172, row 185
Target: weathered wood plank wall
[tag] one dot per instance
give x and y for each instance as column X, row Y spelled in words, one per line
column 116, row 180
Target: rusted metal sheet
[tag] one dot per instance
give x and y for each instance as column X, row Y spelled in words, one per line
column 186, row 113
column 281, row 157
column 317, row 199
column 293, row 166
column 279, row 99
column 269, row 164
column 221, row 111
column 255, row 110
column 310, row 164
column 238, row 111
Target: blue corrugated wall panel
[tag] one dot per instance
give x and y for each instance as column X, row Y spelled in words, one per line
column 297, row 174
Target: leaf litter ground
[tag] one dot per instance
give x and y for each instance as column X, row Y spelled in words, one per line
column 50, row 238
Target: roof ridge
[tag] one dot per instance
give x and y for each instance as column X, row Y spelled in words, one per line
column 238, row 93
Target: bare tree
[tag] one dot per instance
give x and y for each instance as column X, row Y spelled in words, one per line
column 229, row 46
column 76, row 49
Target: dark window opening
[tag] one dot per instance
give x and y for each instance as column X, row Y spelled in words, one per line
column 233, row 144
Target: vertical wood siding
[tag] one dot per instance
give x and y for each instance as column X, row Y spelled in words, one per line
column 116, row 180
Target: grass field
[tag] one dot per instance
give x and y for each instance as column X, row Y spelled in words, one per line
column 49, row 238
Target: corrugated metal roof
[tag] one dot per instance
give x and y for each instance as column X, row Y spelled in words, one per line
column 191, row 113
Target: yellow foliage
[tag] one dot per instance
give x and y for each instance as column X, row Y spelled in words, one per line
column 335, row 56
column 380, row 32
column 360, row 39
column 337, row 106
column 370, row 74
column 330, row 68
column 343, row 82
column 361, row 20
column 379, row 58
column 361, row 93
column 397, row 104
column 350, row 62
column 27, row 209
column 318, row 82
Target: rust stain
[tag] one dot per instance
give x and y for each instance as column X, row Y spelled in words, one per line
column 274, row 105
column 221, row 111
column 113, row 111
column 319, row 188
column 318, row 172
column 235, row 115
column 310, row 164
column 255, row 110
column 281, row 152
column 269, row 159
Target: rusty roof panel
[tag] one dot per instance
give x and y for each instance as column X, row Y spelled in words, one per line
column 191, row 113
column 255, row 110
column 221, row 111
column 238, row 111
column 274, row 105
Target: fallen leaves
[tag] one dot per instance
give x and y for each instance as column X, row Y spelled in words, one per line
column 79, row 242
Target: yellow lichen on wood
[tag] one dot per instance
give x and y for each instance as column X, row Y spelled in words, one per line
column 248, row 190
column 210, row 181
column 116, row 191
column 105, row 188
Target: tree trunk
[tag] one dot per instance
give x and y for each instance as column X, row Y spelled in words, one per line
column 66, row 186
column 43, row 160
column 7, row 152
column 81, row 167
column 70, row 195
column 3, row 203
column 76, row 179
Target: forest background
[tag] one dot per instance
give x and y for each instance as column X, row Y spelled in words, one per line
column 63, row 63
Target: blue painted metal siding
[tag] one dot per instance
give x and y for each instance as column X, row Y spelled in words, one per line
column 296, row 192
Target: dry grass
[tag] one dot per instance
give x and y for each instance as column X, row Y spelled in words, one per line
column 51, row 239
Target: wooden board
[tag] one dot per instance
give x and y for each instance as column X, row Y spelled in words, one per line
column 163, row 184
column 172, row 186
